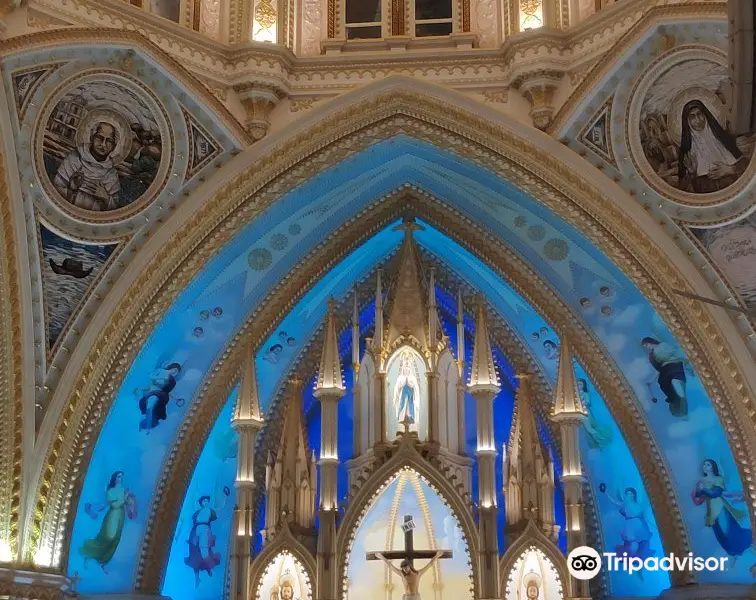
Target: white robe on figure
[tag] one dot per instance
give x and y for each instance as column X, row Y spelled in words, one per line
column 97, row 176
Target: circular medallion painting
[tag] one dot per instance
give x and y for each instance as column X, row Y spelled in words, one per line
column 684, row 145
column 103, row 147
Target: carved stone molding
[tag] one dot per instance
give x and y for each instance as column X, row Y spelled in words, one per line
column 28, row 582
column 228, row 65
column 573, row 196
column 12, row 423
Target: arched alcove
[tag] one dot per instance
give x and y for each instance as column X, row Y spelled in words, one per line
column 408, row 505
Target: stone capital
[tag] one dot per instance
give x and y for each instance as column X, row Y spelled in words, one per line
column 258, row 99
column 539, row 87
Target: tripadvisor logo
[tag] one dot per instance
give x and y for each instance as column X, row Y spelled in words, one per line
column 585, row 563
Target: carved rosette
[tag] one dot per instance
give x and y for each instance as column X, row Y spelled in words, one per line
column 258, row 100
column 539, row 88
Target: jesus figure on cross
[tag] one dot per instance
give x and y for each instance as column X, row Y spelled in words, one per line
column 409, row 575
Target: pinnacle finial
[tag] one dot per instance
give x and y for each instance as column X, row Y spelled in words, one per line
column 567, row 399
column 329, row 374
column 248, row 401
column 483, row 371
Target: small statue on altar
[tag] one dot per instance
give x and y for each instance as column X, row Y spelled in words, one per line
column 406, row 393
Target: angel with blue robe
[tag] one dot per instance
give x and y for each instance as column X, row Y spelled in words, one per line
column 723, row 518
column 636, row 532
column 154, row 399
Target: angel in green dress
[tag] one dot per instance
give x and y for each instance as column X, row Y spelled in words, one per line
column 120, row 504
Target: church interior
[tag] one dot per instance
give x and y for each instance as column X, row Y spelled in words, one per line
column 377, row 300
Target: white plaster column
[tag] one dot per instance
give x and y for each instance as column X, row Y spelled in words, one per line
column 570, row 413
column 247, row 421
column 378, row 422
column 328, row 390
column 357, row 412
column 461, row 434
column 484, row 386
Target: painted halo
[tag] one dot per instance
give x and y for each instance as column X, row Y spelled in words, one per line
column 678, row 130
column 103, row 147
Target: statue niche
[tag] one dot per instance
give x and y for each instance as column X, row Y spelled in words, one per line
column 533, row 577
column 284, row 578
column 406, row 394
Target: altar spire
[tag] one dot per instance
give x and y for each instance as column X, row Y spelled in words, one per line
column 248, row 401
column 409, row 309
column 432, row 310
column 483, row 370
column 291, row 482
column 329, row 373
column 566, row 398
column 528, row 471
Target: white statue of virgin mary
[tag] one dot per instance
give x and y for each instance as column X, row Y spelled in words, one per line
column 407, row 393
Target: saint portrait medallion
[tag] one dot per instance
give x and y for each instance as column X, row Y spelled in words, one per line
column 103, row 147
column 680, row 137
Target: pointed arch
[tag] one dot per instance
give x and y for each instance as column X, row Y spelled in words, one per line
column 532, row 536
column 406, row 457
column 283, row 542
column 539, row 166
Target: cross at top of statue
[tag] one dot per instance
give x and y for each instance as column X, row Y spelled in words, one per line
column 406, row 422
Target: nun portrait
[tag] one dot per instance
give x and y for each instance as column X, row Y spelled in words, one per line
column 709, row 158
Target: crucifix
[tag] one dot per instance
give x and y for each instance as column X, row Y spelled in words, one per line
column 410, row 576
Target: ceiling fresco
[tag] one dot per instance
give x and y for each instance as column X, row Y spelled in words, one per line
column 111, row 140
column 107, row 146
column 237, row 278
column 600, row 456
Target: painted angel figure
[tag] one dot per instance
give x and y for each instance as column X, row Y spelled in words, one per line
column 121, row 504
column 153, row 400
column 672, row 368
column 723, row 518
column 201, row 540
column 636, row 533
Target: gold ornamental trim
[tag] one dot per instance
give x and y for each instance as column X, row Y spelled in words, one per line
column 11, row 374
column 335, row 137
